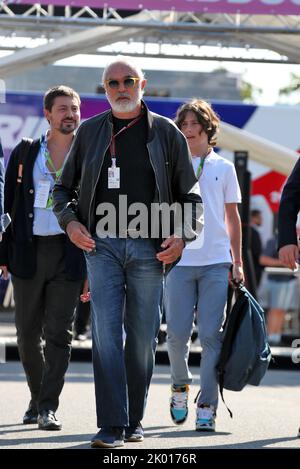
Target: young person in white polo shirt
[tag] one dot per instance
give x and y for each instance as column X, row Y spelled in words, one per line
column 200, row 280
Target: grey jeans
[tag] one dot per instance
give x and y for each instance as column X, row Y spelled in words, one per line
column 203, row 288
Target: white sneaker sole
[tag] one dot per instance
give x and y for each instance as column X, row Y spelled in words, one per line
column 102, row 444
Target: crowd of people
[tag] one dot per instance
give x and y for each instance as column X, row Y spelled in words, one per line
column 87, row 226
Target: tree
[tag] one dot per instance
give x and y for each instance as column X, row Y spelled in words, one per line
column 293, row 87
column 249, row 92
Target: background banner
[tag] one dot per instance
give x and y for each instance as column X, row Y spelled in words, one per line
column 282, row 7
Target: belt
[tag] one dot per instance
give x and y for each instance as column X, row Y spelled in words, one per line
column 49, row 238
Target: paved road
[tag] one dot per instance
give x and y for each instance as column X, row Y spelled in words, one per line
column 264, row 417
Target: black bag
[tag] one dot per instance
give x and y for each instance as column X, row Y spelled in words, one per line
column 245, row 353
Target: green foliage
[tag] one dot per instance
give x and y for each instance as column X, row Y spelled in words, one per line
column 249, row 92
column 292, row 87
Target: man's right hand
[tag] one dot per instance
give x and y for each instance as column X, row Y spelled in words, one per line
column 4, row 270
column 289, row 255
column 80, row 236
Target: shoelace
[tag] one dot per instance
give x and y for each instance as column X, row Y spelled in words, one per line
column 179, row 399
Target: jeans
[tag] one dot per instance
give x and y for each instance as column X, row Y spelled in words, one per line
column 206, row 288
column 119, row 271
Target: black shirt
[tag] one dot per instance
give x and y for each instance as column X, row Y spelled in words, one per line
column 137, row 180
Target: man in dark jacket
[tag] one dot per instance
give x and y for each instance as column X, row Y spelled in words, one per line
column 126, row 162
column 289, row 207
column 287, row 219
column 1, row 185
column 47, row 270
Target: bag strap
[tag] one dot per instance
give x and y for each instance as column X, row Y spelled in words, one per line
column 221, row 387
column 22, row 156
column 230, row 332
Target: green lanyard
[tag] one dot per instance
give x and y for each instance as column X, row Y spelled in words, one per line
column 200, row 168
column 51, row 164
column 55, row 172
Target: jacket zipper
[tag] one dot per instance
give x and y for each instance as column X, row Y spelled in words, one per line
column 159, row 197
column 94, row 189
column 155, row 174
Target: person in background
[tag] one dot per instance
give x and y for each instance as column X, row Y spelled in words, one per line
column 133, row 157
column 47, row 269
column 200, row 279
column 289, row 207
column 255, row 243
column 2, row 172
column 279, row 293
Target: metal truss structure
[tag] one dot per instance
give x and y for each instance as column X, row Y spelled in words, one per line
column 54, row 33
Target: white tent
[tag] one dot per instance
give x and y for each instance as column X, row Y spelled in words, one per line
column 276, row 156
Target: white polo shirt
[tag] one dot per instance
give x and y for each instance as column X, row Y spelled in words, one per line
column 218, row 186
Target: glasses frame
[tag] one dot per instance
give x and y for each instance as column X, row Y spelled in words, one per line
column 135, row 80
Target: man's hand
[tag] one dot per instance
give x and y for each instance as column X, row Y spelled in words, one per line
column 85, row 294
column 237, row 275
column 172, row 250
column 80, row 236
column 4, row 270
column 289, row 255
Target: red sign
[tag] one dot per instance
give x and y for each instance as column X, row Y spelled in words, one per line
column 270, row 185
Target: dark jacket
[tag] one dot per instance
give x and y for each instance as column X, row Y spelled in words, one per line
column 1, row 181
column 169, row 156
column 17, row 249
column 289, row 208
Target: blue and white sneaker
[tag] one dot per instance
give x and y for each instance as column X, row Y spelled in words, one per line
column 179, row 403
column 205, row 418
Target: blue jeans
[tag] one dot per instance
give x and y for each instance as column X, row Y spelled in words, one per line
column 206, row 288
column 123, row 270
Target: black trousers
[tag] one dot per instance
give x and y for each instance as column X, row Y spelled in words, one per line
column 45, row 306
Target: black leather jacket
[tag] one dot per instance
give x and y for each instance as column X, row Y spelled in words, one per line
column 169, row 156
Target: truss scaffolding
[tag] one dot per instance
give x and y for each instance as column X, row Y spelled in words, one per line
column 54, row 33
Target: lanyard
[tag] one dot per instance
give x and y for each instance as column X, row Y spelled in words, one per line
column 112, row 146
column 200, row 168
column 48, row 158
column 51, row 164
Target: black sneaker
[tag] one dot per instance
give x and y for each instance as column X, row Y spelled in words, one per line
column 47, row 421
column 134, row 433
column 31, row 414
column 108, row 437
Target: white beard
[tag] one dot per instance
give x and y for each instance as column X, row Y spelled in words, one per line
column 126, row 105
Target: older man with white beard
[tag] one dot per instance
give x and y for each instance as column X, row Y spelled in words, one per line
column 128, row 152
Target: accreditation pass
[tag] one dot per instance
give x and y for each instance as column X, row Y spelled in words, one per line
column 114, row 176
column 42, row 194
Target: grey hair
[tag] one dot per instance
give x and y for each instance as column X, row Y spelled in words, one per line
column 123, row 60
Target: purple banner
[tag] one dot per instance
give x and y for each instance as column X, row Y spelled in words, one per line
column 283, row 7
column 21, row 115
